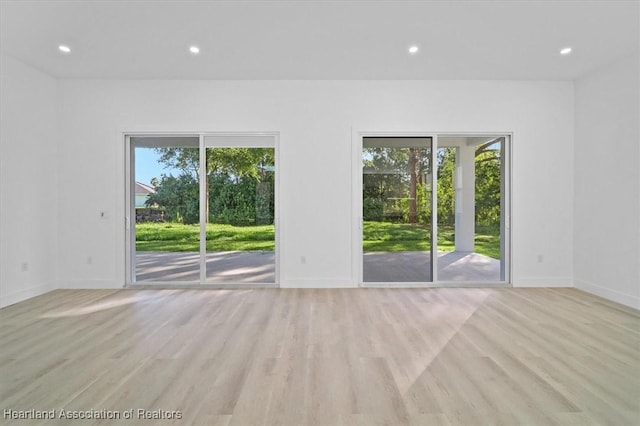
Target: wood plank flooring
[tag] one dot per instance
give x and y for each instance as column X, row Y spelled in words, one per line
column 438, row 356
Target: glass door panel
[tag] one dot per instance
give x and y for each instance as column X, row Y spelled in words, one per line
column 165, row 204
column 471, row 200
column 240, row 217
column 397, row 209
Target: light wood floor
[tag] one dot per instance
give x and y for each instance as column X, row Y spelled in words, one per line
column 325, row 357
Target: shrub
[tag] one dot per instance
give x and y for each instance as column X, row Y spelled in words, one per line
column 372, row 209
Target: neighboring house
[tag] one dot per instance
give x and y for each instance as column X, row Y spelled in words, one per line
column 142, row 194
column 144, row 213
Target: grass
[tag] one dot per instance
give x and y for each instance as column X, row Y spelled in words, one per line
column 378, row 236
column 384, row 236
column 487, row 240
column 179, row 237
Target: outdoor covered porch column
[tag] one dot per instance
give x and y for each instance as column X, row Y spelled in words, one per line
column 465, row 184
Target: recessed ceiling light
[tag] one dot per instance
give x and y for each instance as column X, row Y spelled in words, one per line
column 194, row 50
column 64, row 49
column 413, row 50
column 565, row 51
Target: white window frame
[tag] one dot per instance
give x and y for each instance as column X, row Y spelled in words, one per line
column 219, row 139
column 357, row 261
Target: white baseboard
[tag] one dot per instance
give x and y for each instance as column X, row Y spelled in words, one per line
column 613, row 295
column 317, row 283
column 90, row 284
column 291, row 283
column 441, row 284
column 543, row 282
column 24, row 294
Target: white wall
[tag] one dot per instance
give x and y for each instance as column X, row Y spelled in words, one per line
column 28, row 181
column 607, row 182
column 592, row 238
column 315, row 120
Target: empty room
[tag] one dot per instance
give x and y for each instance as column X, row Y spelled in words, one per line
column 320, row 212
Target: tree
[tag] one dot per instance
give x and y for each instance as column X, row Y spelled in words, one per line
column 179, row 196
column 240, row 184
column 413, row 184
column 187, row 160
column 446, row 189
column 394, row 183
column 488, row 183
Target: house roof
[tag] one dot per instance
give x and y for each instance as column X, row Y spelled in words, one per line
column 143, row 189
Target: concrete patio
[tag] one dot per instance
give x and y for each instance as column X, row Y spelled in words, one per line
column 222, row 267
column 259, row 267
column 415, row 266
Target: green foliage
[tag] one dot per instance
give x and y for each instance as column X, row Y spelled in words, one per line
column 372, row 209
column 241, row 192
column 487, row 240
column 386, row 200
column 377, row 236
column 446, row 187
column 386, row 190
column 488, row 188
column 240, row 161
column 265, row 201
column 231, row 201
column 174, row 237
column 423, row 197
column 241, row 200
column 179, row 196
column 386, row 183
column 187, row 160
column 385, row 236
column 240, row 182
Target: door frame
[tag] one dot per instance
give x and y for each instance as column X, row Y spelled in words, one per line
column 357, row 251
column 129, row 213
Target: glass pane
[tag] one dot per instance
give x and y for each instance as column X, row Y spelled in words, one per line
column 167, row 232
column 240, row 216
column 396, row 209
column 470, row 198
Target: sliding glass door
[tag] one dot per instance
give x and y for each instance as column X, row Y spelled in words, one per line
column 397, row 209
column 457, row 234
column 202, row 209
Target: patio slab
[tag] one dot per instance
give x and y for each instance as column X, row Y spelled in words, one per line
column 222, row 267
column 259, row 267
column 415, row 266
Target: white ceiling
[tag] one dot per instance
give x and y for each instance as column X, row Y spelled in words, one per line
column 319, row 39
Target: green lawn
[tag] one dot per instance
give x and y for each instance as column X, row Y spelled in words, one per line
column 179, row 237
column 384, row 236
column 378, row 236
